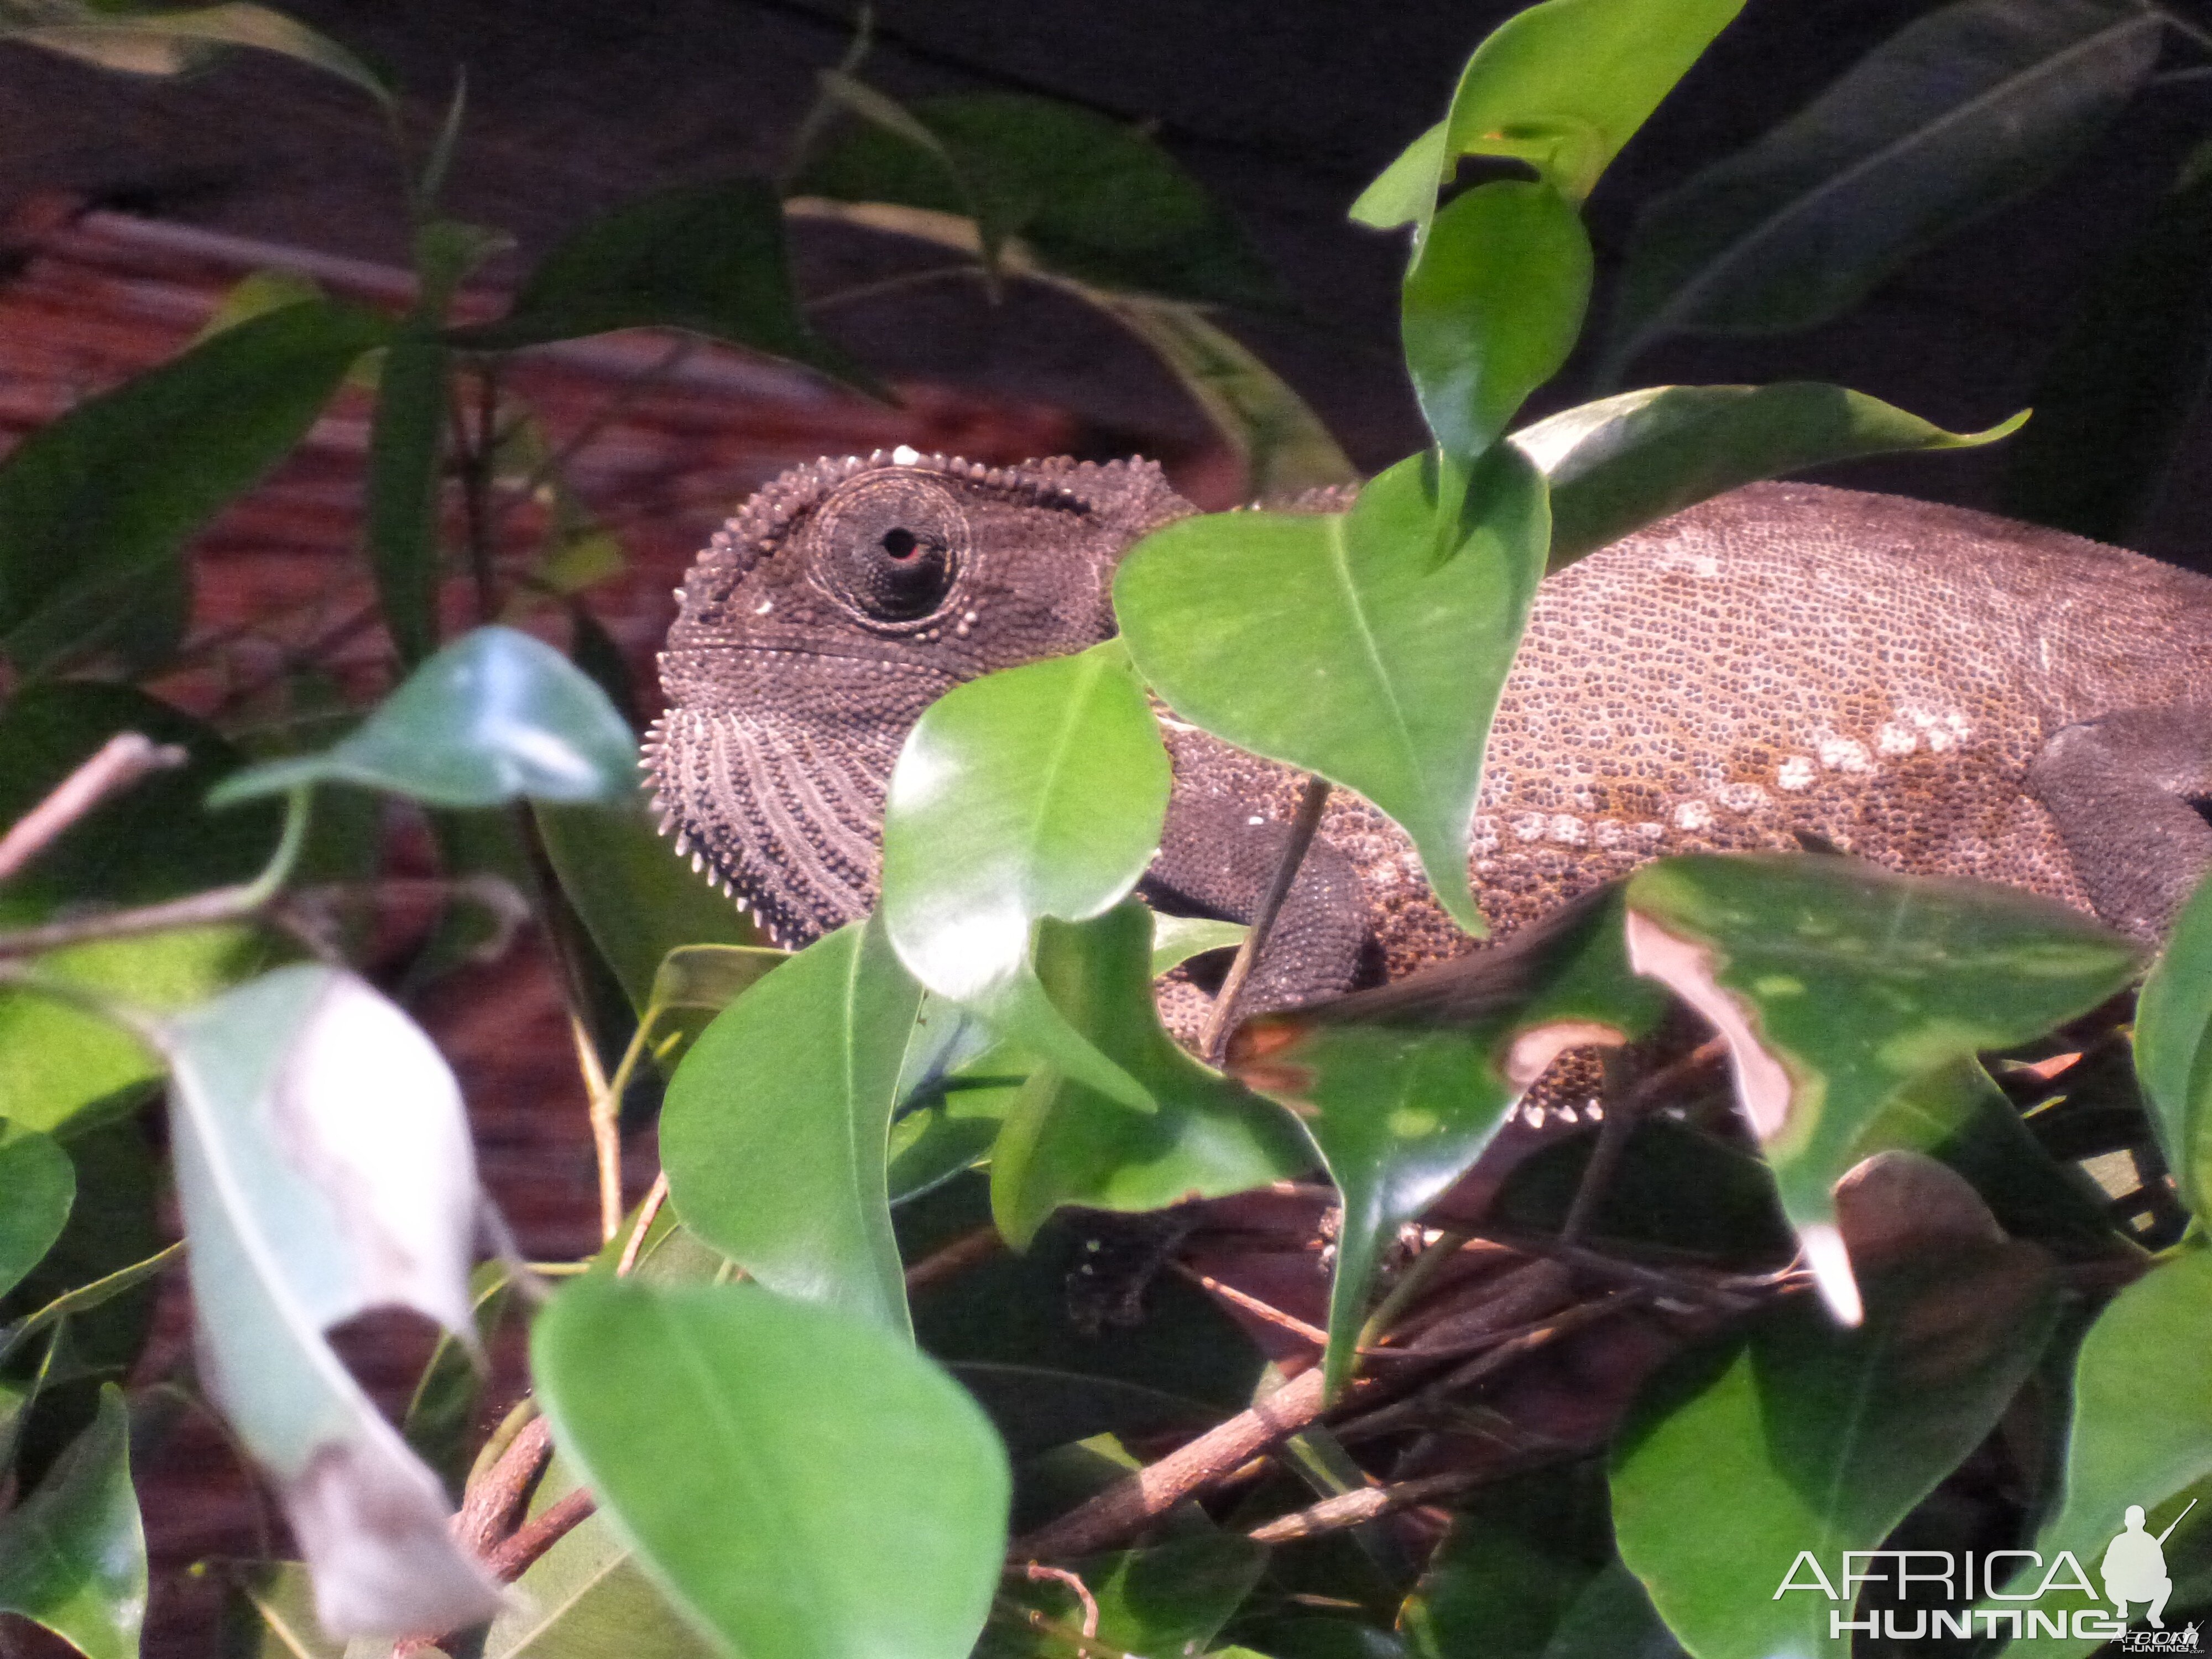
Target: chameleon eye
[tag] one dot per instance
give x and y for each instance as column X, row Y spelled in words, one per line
column 890, row 547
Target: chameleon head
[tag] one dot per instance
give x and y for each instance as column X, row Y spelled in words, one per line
column 818, row 624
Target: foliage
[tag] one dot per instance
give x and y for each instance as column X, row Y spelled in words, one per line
column 830, row 1459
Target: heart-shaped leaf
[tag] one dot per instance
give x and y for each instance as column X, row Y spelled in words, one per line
column 1798, row 1435
column 73, row 1553
column 1344, row 643
column 1035, row 792
column 1623, row 462
column 1561, row 86
column 324, row 1168
column 1403, row 1088
column 774, row 1130
column 495, row 715
column 873, row 1512
column 1836, row 984
column 1063, row 1144
column 1493, row 300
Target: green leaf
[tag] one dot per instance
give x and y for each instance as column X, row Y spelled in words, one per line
column 709, row 258
column 1066, row 1144
column 1947, row 119
column 324, row 1168
column 406, row 465
column 1088, row 197
column 875, row 1494
column 1561, row 86
column 1612, row 1618
column 1519, row 1553
column 93, row 504
column 2141, row 1427
column 1170, row 1599
column 1799, row 1434
column 1837, row 984
column 1343, row 644
column 1621, row 462
column 586, row 1598
column 1403, row 1088
column 2115, row 399
column 164, row 42
column 1493, row 301
column 1035, row 792
column 1177, row 939
column 495, row 715
column 1285, row 446
column 637, row 900
column 37, row 1186
column 73, row 1553
column 2174, row 1049
column 774, row 1135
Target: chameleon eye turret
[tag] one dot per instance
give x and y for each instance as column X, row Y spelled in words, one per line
column 892, row 547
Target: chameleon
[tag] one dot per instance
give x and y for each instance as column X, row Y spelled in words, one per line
column 1936, row 689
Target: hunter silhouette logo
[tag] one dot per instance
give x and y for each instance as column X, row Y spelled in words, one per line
column 2134, row 1567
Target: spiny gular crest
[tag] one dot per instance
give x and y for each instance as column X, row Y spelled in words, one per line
column 818, row 624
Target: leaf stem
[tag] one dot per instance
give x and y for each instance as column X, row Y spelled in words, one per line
column 119, row 762
column 1303, row 829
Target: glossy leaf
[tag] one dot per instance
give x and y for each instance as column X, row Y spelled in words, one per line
column 1170, row 1599
column 1505, row 1576
column 1798, row 1434
column 2141, row 1431
column 1344, row 644
column 73, row 1553
column 1065, row 1144
column 1286, row 448
column 1950, row 117
column 2174, row 1049
column 1177, row 939
column 1035, row 792
column 1493, row 301
column 1612, row 1618
column 775, row 1131
column 1088, row 197
column 37, row 1185
column 1621, row 462
column 165, row 42
column 706, row 257
column 94, row 503
column 2115, row 399
column 1836, row 984
column 636, row 898
column 324, row 1168
column 406, row 460
column 495, row 715
column 1403, row 1087
column 1561, row 86
column 875, row 1494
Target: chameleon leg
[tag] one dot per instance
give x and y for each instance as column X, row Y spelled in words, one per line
column 1215, row 862
column 2129, row 792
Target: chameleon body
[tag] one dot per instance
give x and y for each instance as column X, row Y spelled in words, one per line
column 1936, row 689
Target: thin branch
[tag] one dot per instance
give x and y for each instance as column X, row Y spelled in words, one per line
column 1353, row 1508
column 509, row 1562
column 603, row 1112
column 1411, row 1284
column 1060, row 1575
column 976, row 1245
column 121, row 762
column 655, row 1197
column 1252, row 1304
column 1302, row 828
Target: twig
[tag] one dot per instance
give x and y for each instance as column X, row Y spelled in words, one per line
column 977, row 1244
column 602, row 1111
column 121, row 762
column 1252, row 1304
column 1042, row 1574
column 1302, row 828
column 1352, row 1509
column 655, row 1196
column 493, row 1495
column 1153, row 1491
column 509, row 1562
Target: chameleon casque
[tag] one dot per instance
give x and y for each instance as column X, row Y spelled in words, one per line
column 1935, row 689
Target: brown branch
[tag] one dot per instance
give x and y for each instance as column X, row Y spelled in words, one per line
column 120, row 762
column 977, row 1244
column 1303, row 829
column 1353, row 1508
column 1253, row 1305
column 513, row 1557
column 493, row 1496
column 655, row 1196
